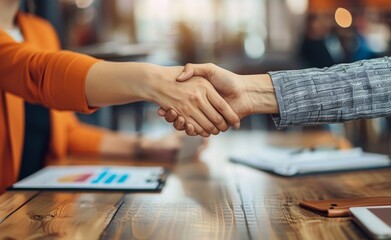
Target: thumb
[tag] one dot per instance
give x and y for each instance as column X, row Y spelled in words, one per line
column 191, row 70
column 186, row 74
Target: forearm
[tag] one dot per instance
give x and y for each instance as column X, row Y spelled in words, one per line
column 119, row 145
column 110, row 83
column 260, row 94
column 340, row 93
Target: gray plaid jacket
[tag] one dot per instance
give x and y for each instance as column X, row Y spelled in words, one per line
column 340, row 93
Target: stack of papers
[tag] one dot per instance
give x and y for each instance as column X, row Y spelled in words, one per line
column 290, row 162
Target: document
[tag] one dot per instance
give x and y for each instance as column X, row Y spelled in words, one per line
column 95, row 178
column 290, row 162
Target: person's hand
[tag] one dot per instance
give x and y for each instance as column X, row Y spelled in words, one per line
column 165, row 148
column 199, row 104
column 245, row 94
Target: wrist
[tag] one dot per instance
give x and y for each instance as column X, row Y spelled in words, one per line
column 260, row 94
column 147, row 85
column 158, row 82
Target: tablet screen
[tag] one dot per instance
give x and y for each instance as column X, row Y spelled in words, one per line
column 383, row 213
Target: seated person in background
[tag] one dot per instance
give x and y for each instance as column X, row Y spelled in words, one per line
column 305, row 97
column 37, row 80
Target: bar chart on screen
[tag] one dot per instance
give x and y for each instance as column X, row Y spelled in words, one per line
column 94, row 177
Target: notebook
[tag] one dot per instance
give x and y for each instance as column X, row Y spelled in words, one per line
column 291, row 162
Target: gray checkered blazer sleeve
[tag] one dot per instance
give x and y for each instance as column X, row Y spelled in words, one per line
column 340, row 93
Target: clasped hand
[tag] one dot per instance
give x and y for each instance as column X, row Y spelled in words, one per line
column 215, row 108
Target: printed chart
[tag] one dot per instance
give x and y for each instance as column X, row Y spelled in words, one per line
column 94, row 177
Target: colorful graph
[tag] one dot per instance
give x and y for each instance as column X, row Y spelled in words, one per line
column 105, row 177
column 77, row 178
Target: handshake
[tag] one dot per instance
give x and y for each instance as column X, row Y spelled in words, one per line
column 211, row 99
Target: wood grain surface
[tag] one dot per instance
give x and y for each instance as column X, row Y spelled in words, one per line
column 12, row 201
column 207, row 199
column 53, row 215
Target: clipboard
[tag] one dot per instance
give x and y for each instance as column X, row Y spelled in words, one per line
column 95, row 178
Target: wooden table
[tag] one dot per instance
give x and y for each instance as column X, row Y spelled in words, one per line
column 208, row 199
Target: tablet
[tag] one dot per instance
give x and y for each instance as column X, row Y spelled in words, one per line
column 376, row 221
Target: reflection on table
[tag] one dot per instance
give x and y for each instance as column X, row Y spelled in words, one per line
column 203, row 199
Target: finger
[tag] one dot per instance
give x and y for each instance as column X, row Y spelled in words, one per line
column 190, row 130
column 191, row 70
column 214, row 116
column 224, row 109
column 204, row 134
column 180, row 123
column 171, row 116
column 203, row 121
column 194, row 129
column 161, row 112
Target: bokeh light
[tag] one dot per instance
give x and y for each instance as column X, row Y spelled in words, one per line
column 343, row 18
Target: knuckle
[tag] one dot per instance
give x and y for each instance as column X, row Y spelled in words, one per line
column 211, row 129
column 177, row 126
column 232, row 119
column 188, row 65
column 168, row 119
column 210, row 65
column 220, row 108
column 172, row 112
column 194, row 98
column 218, row 120
column 197, row 129
column 187, row 130
column 170, row 115
column 216, row 132
column 186, row 108
column 181, row 121
column 224, row 128
column 235, row 119
column 189, row 127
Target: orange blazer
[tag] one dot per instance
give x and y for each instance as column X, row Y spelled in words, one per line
column 38, row 72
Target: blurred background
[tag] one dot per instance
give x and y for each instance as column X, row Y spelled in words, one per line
column 244, row 36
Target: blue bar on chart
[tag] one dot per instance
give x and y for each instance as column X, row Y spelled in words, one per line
column 101, row 176
column 123, row 178
column 110, row 179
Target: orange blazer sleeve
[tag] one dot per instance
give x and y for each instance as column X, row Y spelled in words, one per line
column 83, row 139
column 72, row 137
column 55, row 79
